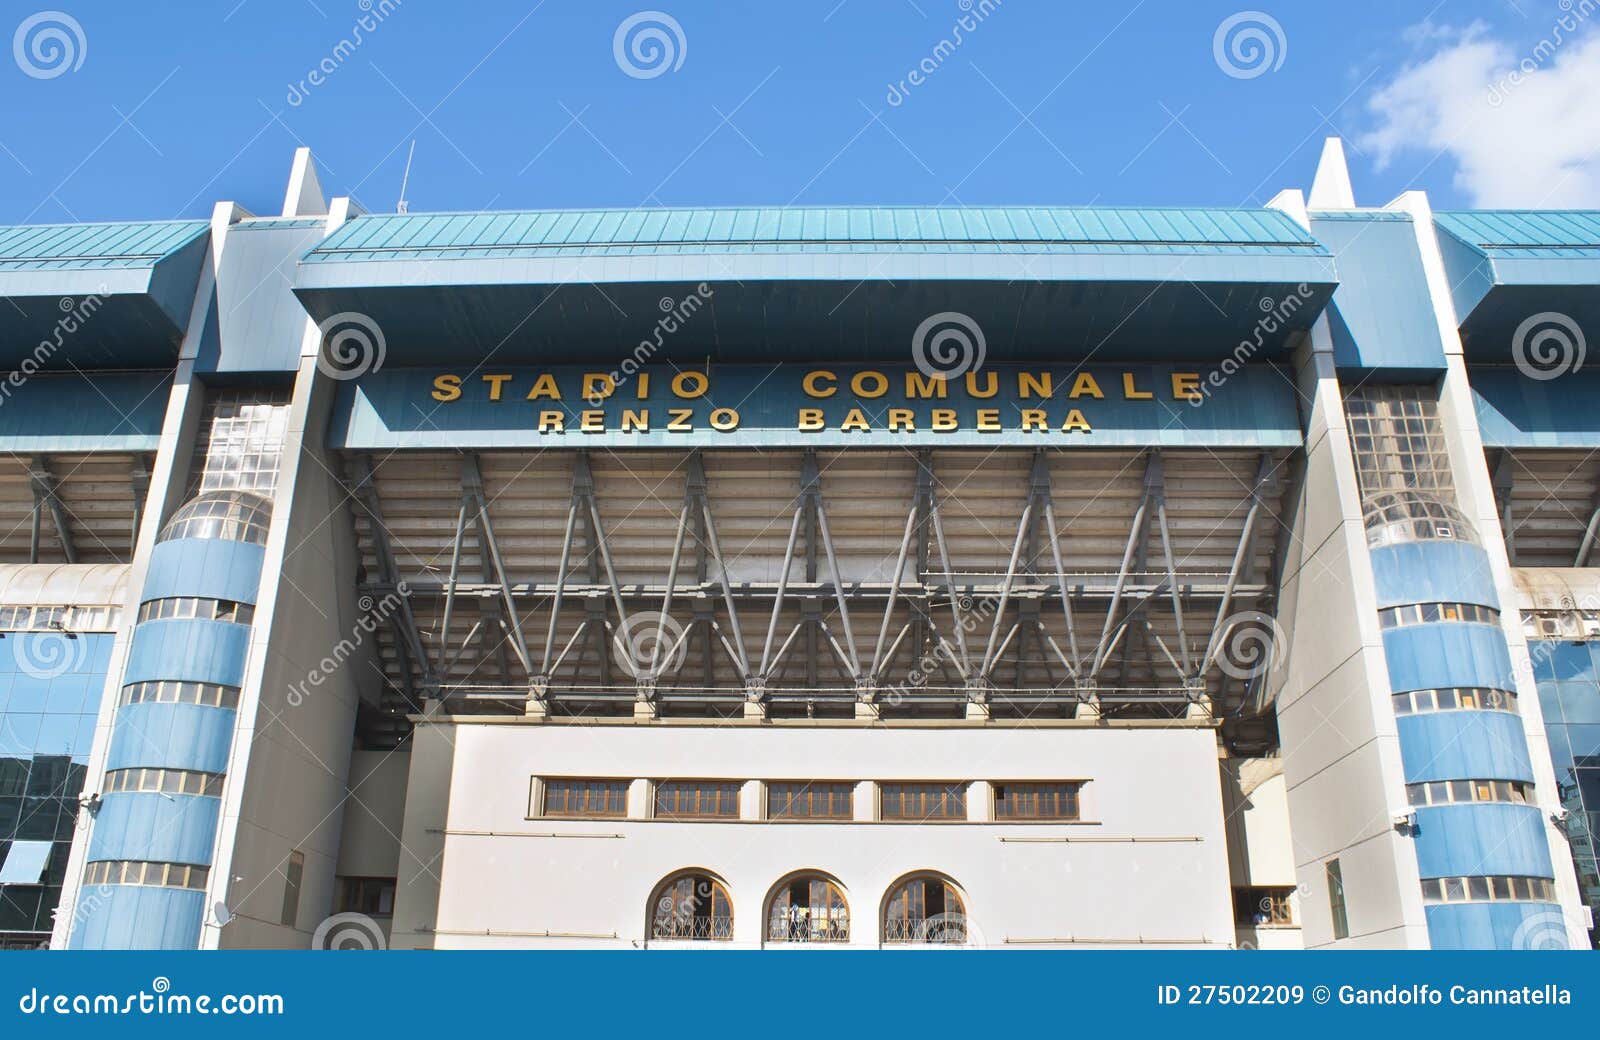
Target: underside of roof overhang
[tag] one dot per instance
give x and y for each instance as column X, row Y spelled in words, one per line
column 831, row 319
column 1507, row 268
column 98, row 295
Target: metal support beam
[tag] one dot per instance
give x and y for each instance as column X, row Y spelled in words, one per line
column 139, row 484
column 1241, row 564
column 1135, row 545
column 410, row 655
column 1503, row 478
column 46, row 496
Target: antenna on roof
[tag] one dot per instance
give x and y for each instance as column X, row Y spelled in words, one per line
column 402, row 206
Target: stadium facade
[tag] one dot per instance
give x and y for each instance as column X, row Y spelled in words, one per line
column 1015, row 577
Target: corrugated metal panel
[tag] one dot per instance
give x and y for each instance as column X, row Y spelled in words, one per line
column 45, row 247
column 1556, row 234
column 627, row 232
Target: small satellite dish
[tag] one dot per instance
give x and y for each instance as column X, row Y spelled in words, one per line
column 220, row 911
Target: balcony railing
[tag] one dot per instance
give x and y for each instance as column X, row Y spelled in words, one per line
column 817, row 929
column 674, row 928
column 943, row 929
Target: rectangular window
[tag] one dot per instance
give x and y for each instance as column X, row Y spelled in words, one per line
column 1054, row 801
column 373, row 896
column 697, row 800
column 586, row 798
column 923, row 801
column 1259, row 906
column 293, row 871
column 1341, row 920
column 810, row 801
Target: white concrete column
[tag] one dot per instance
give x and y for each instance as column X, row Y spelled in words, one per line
column 980, row 801
column 1475, row 490
column 642, row 800
column 866, row 801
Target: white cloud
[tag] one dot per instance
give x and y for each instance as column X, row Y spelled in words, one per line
column 1522, row 126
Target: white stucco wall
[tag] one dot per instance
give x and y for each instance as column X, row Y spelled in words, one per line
column 507, row 880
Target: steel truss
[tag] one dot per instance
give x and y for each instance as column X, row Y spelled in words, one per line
column 926, row 638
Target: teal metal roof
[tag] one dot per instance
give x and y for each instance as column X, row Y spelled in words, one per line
column 80, row 247
column 642, row 232
column 1527, row 233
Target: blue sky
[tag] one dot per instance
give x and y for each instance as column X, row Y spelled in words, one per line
column 163, row 108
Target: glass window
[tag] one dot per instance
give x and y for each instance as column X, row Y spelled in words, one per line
column 925, row 910
column 691, row 907
column 293, row 871
column 810, row 800
column 808, row 908
column 697, row 799
column 923, row 801
column 373, row 896
column 1036, row 801
column 1260, row 906
column 581, row 797
column 238, row 516
column 1341, row 919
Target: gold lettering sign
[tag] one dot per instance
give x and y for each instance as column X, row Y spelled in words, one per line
column 857, row 400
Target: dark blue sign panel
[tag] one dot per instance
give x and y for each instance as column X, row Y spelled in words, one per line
column 822, row 405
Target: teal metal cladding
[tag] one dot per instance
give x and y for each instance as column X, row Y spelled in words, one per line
column 1447, row 653
column 189, row 650
column 77, row 247
column 155, row 826
column 1472, row 839
column 158, row 827
column 641, row 232
column 171, row 736
column 1381, row 316
column 212, row 567
column 1482, row 839
column 1464, row 745
column 1496, row 926
column 137, row 917
column 1432, row 572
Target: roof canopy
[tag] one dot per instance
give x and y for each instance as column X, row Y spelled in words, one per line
column 820, row 282
column 98, row 295
column 1507, row 265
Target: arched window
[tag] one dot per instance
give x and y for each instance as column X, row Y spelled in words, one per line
column 691, row 906
column 808, row 908
column 926, row 909
column 1392, row 517
column 238, row 516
